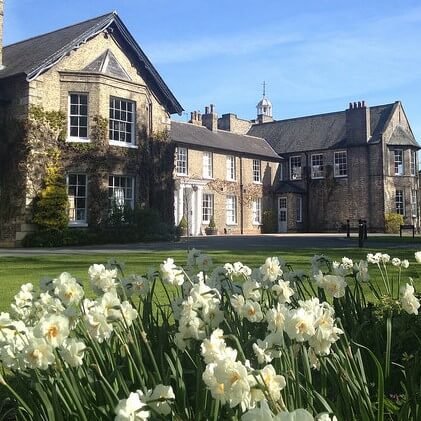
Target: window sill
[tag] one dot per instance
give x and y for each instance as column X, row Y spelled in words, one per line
column 232, row 180
column 181, row 175
column 122, row 144
column 78, row 225
column 340, row 176
column 231, row 224
column 208, row 178
column 257, row 224
column 317, row 178
column 257, row 182
column 77, row 140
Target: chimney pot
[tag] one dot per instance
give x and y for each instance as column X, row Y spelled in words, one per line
column 355, row 105
column 350, row 105
column 212, row 108
column 192, row 116
column 199, row 116
column 363, row 103
column 206, row 110
column 359, row 104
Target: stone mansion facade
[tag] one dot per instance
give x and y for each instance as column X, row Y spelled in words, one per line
column 312, row 173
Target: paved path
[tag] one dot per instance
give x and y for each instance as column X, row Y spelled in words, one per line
column 223, row 242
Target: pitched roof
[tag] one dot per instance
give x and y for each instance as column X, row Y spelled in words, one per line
column 200, row 136
column 315, row 132
column 33, row 56
column 401, row 137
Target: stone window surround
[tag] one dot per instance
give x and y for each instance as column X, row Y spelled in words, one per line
column 231, row 168
column 257, row 211
column 400, row 202
column 317, row 166
column 295, row 167
column 257, row 171
column 231, row 210
column 413, row 162
column 84, row 139
column 338, row 162
column 398, row 159
column 182, row 161
column 71, row 80
column 207, row 207
column 126, row 121
column 124, row 189
column 75, row 222
column 207, row 163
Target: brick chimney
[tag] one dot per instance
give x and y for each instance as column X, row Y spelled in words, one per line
column 1, row 33
column 195, row 118
column 210, row 118
column 358, row 127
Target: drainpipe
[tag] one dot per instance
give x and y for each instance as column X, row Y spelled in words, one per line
column 307, row 198
column 241, row 198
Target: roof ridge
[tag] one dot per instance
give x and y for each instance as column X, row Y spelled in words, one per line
column 316, row 115
column 113, row 13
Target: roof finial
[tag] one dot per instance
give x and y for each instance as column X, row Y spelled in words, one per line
column 264, row 89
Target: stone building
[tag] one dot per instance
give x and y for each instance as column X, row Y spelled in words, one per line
column 112, row 100
column 222, row 173
column 355, row 164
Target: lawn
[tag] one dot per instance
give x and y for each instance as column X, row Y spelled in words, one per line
column 15, row 271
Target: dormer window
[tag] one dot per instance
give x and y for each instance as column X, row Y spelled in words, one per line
column 122, row 121
column 78, row 117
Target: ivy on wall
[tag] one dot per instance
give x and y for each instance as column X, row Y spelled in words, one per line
column 34, row 145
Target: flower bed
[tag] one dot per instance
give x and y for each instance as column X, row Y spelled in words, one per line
column 229, row 342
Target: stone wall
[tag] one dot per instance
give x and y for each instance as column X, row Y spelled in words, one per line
column 220, row 187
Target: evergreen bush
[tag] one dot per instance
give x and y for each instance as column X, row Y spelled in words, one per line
column 392, row 222
column 51, row 208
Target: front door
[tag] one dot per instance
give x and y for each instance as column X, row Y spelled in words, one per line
column 282, row 214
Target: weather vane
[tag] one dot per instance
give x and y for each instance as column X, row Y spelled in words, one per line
column 264, row 88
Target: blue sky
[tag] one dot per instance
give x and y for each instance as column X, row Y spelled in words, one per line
column 316, row 56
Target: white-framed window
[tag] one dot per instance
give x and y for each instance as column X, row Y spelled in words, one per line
column 231, row 171
column 341, row 164
column 181, row 163
column 78, row 116
column 413, row 163
column 400, row 202
column 257, row 171
column 207, row 164
column 120, row 191
column 207, row 207
column 122, row 121
column 231, row 208
column 257, row 211
column 398, row 158
column 77, row 195
column 295, row 168
column 299, row 209
column 414, row 204
column 317, row 166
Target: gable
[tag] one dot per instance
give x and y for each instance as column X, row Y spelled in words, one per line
column 35, row 56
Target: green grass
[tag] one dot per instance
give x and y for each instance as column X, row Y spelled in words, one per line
column 14, row 271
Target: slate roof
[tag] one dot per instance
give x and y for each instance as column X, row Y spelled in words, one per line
column 200, row 136
column 322, row 131
column 33, row 56
column 401, row 137
column 107, row 63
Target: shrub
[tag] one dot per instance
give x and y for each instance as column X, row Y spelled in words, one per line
column 392, row 222
column 51, row 208
column 269, row 221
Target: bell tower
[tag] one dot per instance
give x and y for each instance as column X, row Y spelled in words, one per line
column 264, row 108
